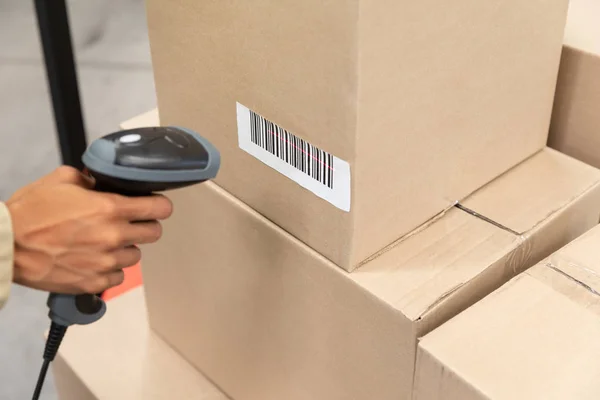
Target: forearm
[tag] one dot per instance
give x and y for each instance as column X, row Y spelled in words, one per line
column 6, row 253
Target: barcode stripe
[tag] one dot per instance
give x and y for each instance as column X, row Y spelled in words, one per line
column 315, row 165
column 252, row 127
column 287, row 149
column 309, row 164
column 268, row 124
column 301, row 153
column 323, row 169
column 276, row 139
column 272, row 138
column 265, row 138
column 257, row 127
column 280, row 137
column 319, row 176
column 319, row 165
column 330, row 169
column 260, row 129
column 295, row 151
column 267, row 143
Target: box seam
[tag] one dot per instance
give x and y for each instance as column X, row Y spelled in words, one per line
column 523, row 240
column 405, row 237
column 454, row 204
column 549, row 264
column 584, row 193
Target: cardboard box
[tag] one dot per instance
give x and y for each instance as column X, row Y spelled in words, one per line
column 575, row 128
column 118, row 358
column 534, row 338
column 407, row 107
column 268, row 318
column 148, row 119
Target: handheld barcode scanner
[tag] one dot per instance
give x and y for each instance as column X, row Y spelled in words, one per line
column 133, row 162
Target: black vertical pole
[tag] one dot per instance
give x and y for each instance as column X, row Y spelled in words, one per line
column 55, row 35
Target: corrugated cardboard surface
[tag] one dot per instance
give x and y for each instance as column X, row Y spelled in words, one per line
column 534, row 338
column 118, row 358
column 266, row 317
column 424, row 106
column 68, row 384
column 575, row 128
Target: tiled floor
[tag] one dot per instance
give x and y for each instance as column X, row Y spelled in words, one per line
column 115, row 75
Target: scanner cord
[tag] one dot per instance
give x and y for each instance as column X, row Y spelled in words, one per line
column 55, row 337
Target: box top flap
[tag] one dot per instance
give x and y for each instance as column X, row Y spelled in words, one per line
column 579, row 263
column 533, row 191
column 583, row 29
column 543, row 314
column 428, row 268
column 128, row 361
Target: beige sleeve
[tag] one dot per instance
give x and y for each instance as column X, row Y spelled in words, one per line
column 6, row 253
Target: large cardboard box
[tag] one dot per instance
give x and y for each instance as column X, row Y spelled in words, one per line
column 351, row 123
column 575, row 128
column 534, row 338
column 119, row 358
column 268, row 318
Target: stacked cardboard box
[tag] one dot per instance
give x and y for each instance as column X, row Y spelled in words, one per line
column 267, row 317
column 537, row 337
column 575, row 128
column 351, row 123
column 403, row 138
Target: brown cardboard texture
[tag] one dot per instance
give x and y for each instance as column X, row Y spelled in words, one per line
column 534, row 338
column 268, row 318
column 575, row 128
column 411, row 106
column 148, row 119
column 118, row 358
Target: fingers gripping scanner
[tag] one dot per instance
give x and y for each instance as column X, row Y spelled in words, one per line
column 136, row 162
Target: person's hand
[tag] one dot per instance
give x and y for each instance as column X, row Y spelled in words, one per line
column 70, row 239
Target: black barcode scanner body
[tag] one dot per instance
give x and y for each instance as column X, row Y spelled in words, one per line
column 137, row 162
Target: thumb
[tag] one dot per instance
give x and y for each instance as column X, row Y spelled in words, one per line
column 66, row 174
column 63, row 174
column 86, row 181
column 89, row 182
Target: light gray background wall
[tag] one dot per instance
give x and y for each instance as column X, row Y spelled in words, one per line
column 115, row 75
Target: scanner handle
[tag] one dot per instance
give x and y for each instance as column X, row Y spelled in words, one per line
column 83, row 309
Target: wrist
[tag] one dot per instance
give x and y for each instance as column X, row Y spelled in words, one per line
column 7, row 252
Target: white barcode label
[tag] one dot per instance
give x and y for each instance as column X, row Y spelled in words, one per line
column 312, row 168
